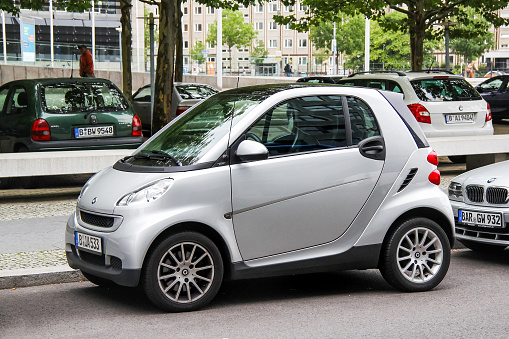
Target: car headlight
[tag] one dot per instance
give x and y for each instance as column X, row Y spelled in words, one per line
column 455, row 191
column 147, row 193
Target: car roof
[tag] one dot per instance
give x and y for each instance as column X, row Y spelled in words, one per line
column 410, row 75
column 49, row 81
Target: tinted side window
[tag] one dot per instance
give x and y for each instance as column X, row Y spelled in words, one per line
column 18, row 102
column 493, row 84
column 302, row 124
column 3, row 98
column 363, row 121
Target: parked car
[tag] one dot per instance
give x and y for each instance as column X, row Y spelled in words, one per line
column 444, row 104
column 184, row 96
column 263, row 181
column 321, row 79
column 479, row 199
column 66, row 114
column 491, row 74
column 496, row 92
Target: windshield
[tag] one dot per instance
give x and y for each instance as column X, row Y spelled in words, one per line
column 446, row 89
column 76, row 97
column 195, row 91
column 188, row 139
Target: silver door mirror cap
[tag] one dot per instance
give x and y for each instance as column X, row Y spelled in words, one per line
column 250, row 150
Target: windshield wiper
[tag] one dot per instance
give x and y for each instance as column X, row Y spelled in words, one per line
column 155, row 155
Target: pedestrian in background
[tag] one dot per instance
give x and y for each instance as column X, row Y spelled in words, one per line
column 288, row 70
column 86, row 62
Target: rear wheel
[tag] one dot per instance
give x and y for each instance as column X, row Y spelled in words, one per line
column 481, row 247
column 416, row 255
column 183, row 273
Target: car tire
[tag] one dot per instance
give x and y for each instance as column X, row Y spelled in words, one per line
column 416, row 255
column 481, row 247
column 458, row 159
column 98, row 280
column 183, row 272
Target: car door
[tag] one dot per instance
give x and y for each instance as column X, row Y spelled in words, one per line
column 15, row 118
column 494, row 91
column 315, row 180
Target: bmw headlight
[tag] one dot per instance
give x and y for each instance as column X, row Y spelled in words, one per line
column 455, row 191
column 147, row 193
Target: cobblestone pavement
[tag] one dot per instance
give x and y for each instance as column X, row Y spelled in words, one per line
column 14, row 261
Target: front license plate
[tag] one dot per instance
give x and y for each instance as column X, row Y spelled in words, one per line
column 459, row 118
column 93, row 132
column 88, row 242
column 480, row 219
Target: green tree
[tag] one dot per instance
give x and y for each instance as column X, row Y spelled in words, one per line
column 473, row 46
column 259, row 53
column 236, row 33
column 419, row 19
column 196, row 53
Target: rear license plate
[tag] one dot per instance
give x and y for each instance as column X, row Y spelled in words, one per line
column 480, row 219
column 93, row 132
column 88, row 242
column 459, row 118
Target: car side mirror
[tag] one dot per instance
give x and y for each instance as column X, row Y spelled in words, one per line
column 250, row 150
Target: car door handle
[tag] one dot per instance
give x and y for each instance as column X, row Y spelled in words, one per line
column 373, row 148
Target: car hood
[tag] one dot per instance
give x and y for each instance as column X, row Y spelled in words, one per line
column 497, row 174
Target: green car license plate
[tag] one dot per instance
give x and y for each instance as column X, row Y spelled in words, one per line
column 93, row 132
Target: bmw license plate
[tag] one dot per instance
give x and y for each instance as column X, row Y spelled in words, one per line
column 88, row 242
column 459, row 118
column 480, row 219
column 93, row 132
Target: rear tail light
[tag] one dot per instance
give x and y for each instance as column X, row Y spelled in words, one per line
column 137, row 126
column 181, row 109
column 434, row 177
column 488, row 114
column 420, row 113
column 433, row 158
column 40, row 130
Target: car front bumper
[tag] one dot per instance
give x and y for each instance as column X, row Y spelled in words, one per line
column 478, row 233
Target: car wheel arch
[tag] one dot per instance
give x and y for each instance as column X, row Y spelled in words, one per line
column 196, row 227
column 424, row 212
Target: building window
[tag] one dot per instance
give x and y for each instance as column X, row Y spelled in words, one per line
column 289, row 8
column 184, row 10
column 287, row 27
column 259, row 26
column 272, row 43
column 272, row 25
column 197, row 10
column 186, row 61
column 186, row 28
column 303, row 43
column 186, row 44
column 211, row 59
column 259, row 8
column 197, row 28
column 303, row 7
column 273, row 7
column 303, row 60
column 211, row 10
column 288, row 43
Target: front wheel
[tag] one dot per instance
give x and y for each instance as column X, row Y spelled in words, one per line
column 183, row 273
column 416, row 255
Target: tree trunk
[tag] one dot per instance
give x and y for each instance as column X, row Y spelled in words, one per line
column 179, row 58
column 125, row 21
column 417, row 30
column 165, row 64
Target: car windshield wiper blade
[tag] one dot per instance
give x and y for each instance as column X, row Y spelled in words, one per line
column 157, row 155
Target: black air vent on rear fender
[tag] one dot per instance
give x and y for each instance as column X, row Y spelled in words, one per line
column 408, row 178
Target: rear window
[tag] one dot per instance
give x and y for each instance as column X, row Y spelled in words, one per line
column 436, row 89
column 195, row 91
column 75, row 97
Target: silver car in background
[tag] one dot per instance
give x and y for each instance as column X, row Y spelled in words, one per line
column 184, row 96
column 265, row 181
column 480, row 201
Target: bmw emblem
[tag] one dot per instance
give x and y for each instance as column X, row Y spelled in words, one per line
column 94, row 200
column 491, row 180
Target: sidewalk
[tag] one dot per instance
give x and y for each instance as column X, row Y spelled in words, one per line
column 32, row 226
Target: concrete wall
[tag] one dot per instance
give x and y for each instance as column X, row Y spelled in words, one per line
column 15, row 72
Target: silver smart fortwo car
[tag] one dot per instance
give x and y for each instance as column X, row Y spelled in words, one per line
column 263, row 181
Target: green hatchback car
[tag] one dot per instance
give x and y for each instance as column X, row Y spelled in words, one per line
column 66, row 114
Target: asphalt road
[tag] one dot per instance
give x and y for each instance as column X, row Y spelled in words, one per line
column 470, row 303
